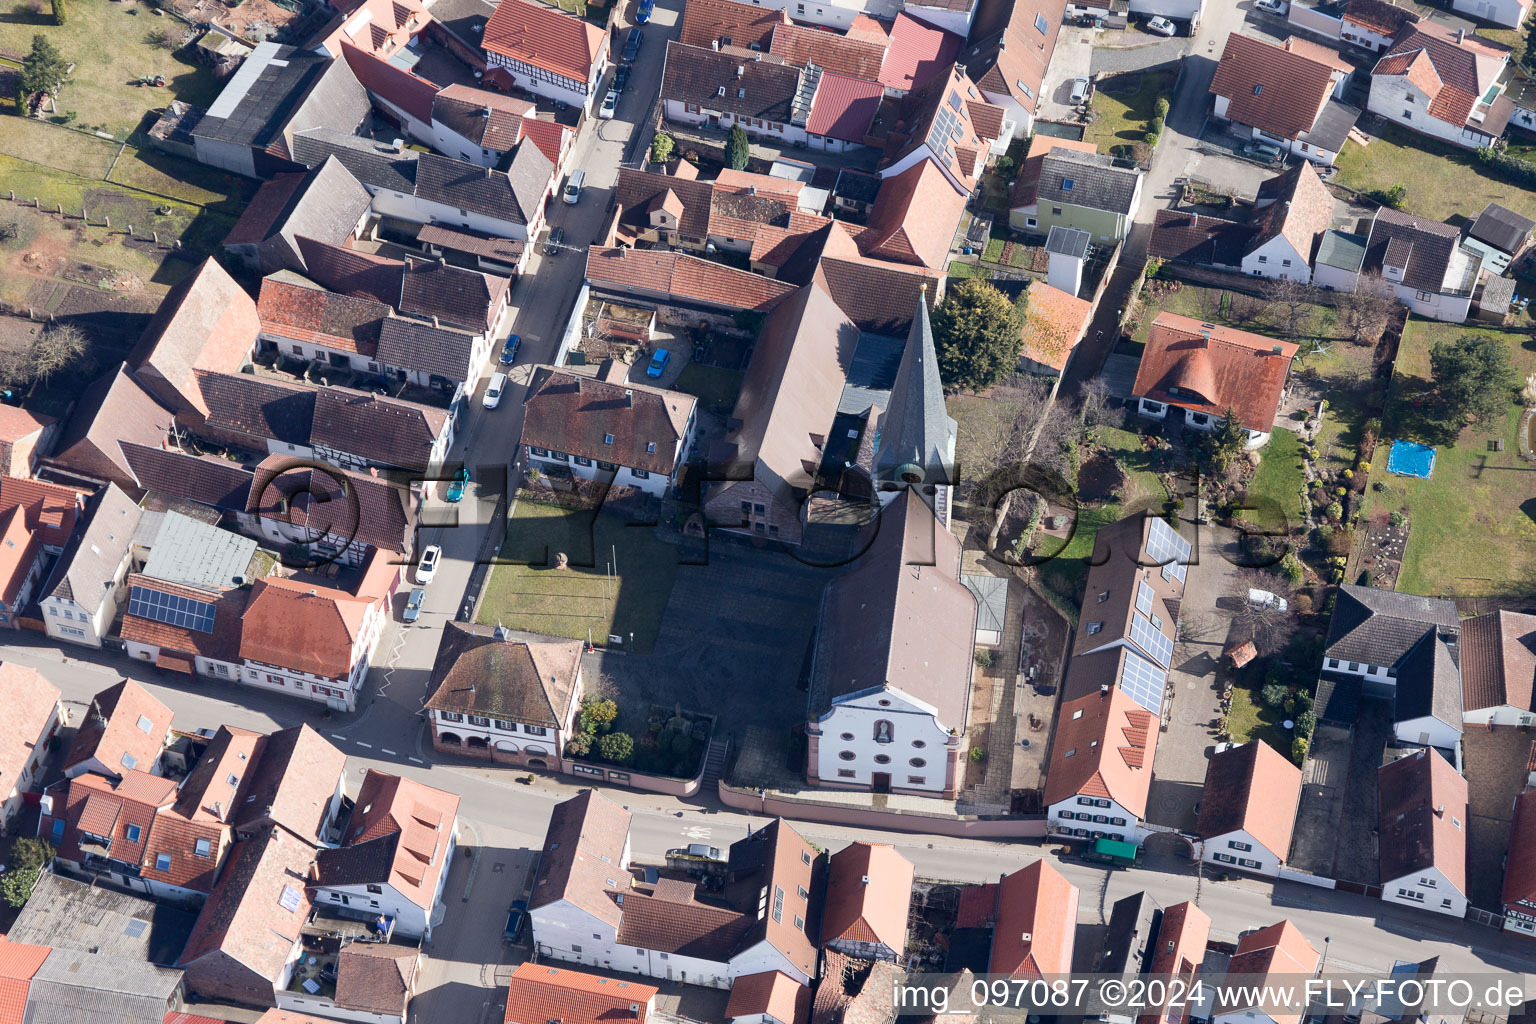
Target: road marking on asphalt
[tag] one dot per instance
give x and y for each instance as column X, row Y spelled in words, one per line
column 415, row 760
column 337, row 736
column 362, row 744
column 386, row 750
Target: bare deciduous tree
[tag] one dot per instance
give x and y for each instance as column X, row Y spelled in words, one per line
column 1096, row 409
column 1289, row 302
column 1266, row 625
column 1368, row 310
column 59, row 348
column 1245, row 309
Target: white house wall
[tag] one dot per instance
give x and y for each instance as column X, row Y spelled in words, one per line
column 1507, row 13
column 1428, row 731
column 1433, row 886
column 1277, row 259
column 915, row 731
column 1119, row 823
column 1504, row 714
column 1334, row 278
column 1180, row 10
column 1449, row 308
column 1268, row 862
column 326, row 1009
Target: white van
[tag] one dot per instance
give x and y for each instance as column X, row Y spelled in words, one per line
column 573, row 185
column 493, row 390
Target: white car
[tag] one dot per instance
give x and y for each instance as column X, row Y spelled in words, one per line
column 493, row 390
column 610, row 105
column 1272, row 6
column 427, row 567
column 1080, row 89
column 1162, row 26
column 1262, row 599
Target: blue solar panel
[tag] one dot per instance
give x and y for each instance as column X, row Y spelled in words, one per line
column 1145, row 636
column 171, row 609
column 1166, row 548
column 1143, row 682
column 1144, row 596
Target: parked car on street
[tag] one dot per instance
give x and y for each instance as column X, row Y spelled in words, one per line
column 1263, row 151
column 610, row 105
column 1272, row 6
column 427, row 567
column 493, row 390
column 1162, row 26
column 658, row 363
column 643, row 12
column 516, row 915
column 697, row 850
column 1265, row 599
column 413, row 605
column 509, row 349
column 621, row 77
column 632, row 46
column 556, row 240
column 460, row 479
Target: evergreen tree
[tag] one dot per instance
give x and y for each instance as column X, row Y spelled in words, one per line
column 737, row 149
column 978, row 334
column 43, row 69
column 1473, row 377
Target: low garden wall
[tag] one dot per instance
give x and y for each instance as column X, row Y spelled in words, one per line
column 827, row 812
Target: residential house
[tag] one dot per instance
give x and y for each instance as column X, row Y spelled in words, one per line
column 467, row 299
column 546, row 51
column 113, row 411
column 914, row 220
column 1422, row 853
column 721, row 89
column 1339, row 261
column 537, row 994
column 332, row 514
column 666, row 276
column 935, row 124
column 842, row 113
column 1248, row 808
column 296, row 786
column 394, row 856
column 1424, row 262
column 25, row 437
column 81, row 599
column 276, row 91
column 316, row 642
column 1010, row 46
column 185, row 628
column 1285, row 95
column 245, row 944
column 1101, row 767
column 582, row 868
column 1403, row 647
column 378, row 27
column 1034, row 923
column 1443, row 83
column 1374, row 24
column 621, row 433
column 1206, row 371
column 302, row 321
column 37, row 519
column 726, row 24
column 506, row 203
column 1499, row 236
column 1182, row 937
column 771, row 997
column 508, row 700
column 1292, row 210
column 33, row 714
column 1054, row 322
column 1498, row 669
column 1062, row 185
column 431, row 353
column 207, row 322
column 327, row 204
column 869, row 888
column 1266, row 960
column 1504, row 13
column 1519, row 892
column 889, row 698
column 125, row 728
column 76, row 985
column 917, row 53
column 1193, row 237
column 101, row 825
column 482, row 127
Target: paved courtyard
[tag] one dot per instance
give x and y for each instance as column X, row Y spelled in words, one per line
column 1495, row 765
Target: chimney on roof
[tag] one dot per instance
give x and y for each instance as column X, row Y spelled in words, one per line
column 1439, row 810
column 751, row 190
column 1205, row 337
column 1103, row 689
column 578, row 383
column 629, row 399
column 313, row 592
column 487, row 110
column 714, row 44
column 864, row 880
column 634, row 1009
column 442, row 261
column 1274, row 350
column 1461, row 34
column 218, row 810
column 434, row 320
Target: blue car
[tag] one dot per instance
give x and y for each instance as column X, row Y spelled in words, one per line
column 413, row 605
column 516, row 915
column 460, row 482
column 632, row 45
column 658, row 363
column 643, row 12
column 509, row 350
column 621, row 78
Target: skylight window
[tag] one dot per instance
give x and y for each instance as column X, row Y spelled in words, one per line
column 1041, row 24
column 1066, row 184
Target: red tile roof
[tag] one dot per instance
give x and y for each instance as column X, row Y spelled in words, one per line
column 661, row 274
column 1279, row 952
column 376, row 977
column 265, row 207
column 844, row 107
column 914, row 219
column 1103, row 747
column 1181, row 940
column 626, row 424
column 869, row 887
column 1422, row 802
column 112, row 810
column 773, row 993
column 391, row 84
column 124, row 722
column 292, row 307
column 18, row 963
column 538, row 993
column 545, row 37
column 17, row 423
column 19, row 551
column 918, row 53
column 1036, row 922
column 1454, row 73
column 1253, row 788
column 220, row 644
column 1320, row 53
column 1520, row 860
column 842, row 55
column 1011, row 59
column 294, row 625
column 297, row 774
column 1498, row 661
column 1380, row 16
column 1232, row 369
column 1270, row 87
column 50, row 510
column 583, row 849
column 415, row 820
column 29, row 701
column 707, row 22
column 1054, row 323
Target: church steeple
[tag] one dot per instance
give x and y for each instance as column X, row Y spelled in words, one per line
column 917, row 436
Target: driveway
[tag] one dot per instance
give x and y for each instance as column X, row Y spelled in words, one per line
column 1139, row 56
column 1178, row 773
column 1073, row 59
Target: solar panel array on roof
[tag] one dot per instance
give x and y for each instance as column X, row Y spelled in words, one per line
column 171, row 609
column 945, row 129
column 1166, row 548
column 1143, row 682
column 1146, row 636
column 1144, row 596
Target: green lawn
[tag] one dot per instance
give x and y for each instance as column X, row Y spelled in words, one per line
column 1219, row 306
column 110, row 45
column 1474, row 520
column 1442, row 180
column 1123, row 117
column 525, row 592
column 1277, row 482
column 1249, row 719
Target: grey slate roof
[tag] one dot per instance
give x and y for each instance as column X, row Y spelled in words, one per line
column 1095, row 181
column 425, row 348
column 876, row 360
column 1429, row 683
column 1426, row 246
column 211, row 481
column 991, row 594
column 327, row 206
column 915, row 428
column 1342, row 250
column 280, row 88
column 369, row 162
column 513, row 195
column 71, row 987
column 1379, row 627
column 187, row 551
column 88, row 566
column 1502, row 228
column 765, row 89
column 257, row 407
column 1332, row 126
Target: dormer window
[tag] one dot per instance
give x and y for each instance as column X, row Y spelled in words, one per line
column 1258, row 89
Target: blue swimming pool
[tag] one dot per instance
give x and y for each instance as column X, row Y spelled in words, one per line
column 1409, row 458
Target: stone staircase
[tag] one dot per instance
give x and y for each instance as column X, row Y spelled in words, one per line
column 714, row 764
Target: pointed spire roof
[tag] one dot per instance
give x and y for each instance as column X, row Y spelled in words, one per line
column 915, row 428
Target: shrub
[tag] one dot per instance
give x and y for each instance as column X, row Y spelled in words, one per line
column 1160, row 108
column 1303, row 604
column 1394, row 197
column 60, row 12
column 1156, row 127
column 1397, row 518
column 1341, row 491
column 1299, row 703
column 1378, row 486
column 1274, row 694
column 1365, row 467
column 579, row 745
column 662, row 145
column 1004, row 164
column 1299, row 749
column 1290, row 568
column 1150, row 139
column 1323, row 534
column 616, row 747
column 1349, row 474
column 978, row 754
column 1306, row 722
column 983, row 657
column 1334, row 511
